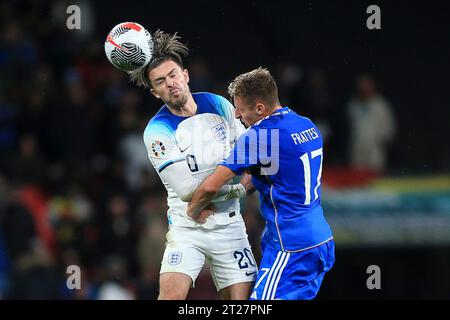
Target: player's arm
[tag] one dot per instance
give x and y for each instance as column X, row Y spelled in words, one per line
column 237, row 163
column 207, row 190
column 177, row 174
column 173, row 169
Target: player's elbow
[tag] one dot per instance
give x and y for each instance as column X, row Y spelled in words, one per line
column 186, row 196
column 185, row 191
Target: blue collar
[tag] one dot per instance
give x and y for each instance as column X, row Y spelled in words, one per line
column 281, row 111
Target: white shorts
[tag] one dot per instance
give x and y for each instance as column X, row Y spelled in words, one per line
column 226, row 248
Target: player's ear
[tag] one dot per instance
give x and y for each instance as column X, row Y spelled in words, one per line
column 186, row 75
column 260, row 109
column 153, row 92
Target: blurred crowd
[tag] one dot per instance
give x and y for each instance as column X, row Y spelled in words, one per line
column 76, row 187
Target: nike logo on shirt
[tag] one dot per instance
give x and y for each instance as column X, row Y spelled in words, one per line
column 183, row 150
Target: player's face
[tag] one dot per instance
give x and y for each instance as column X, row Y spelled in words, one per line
column 246, row 112
column 170, row 83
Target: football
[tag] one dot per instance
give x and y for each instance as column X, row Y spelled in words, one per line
column 129, row 46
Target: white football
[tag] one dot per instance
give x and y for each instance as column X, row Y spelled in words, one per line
column 129, row 46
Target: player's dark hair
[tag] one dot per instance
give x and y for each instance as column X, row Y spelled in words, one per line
column 166, row 47
column 256, row 85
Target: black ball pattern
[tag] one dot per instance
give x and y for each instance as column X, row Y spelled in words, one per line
column 129, row 59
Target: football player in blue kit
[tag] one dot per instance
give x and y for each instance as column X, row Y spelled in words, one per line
column 284, row 153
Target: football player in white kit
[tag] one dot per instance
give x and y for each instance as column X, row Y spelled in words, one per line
column 185, row 140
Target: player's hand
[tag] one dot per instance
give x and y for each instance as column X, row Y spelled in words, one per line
column 246, row 181
column 209, row 210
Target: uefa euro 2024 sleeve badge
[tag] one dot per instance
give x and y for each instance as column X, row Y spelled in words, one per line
column 158, row 148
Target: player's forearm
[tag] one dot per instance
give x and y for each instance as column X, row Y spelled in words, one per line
column 204, row 194
column 226, row 192
column 184, row 184
column 208, row 190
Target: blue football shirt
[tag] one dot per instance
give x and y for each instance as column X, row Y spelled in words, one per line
column 284, row 154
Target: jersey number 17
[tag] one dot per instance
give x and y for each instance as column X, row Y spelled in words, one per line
column 306, row 159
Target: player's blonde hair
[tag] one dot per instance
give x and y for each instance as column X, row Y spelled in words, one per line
column 166, row 47
column 257, row 84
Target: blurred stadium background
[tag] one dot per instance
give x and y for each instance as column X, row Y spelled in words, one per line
column 76, row 186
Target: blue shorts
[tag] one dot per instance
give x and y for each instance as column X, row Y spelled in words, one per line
column 292, row 275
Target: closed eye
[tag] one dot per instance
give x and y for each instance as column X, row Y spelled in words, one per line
column 173, row 73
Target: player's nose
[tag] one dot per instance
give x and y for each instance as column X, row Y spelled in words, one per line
column 170, row 83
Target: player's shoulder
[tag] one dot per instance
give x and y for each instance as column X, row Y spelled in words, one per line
column 208, row 96
column 159, row 125
column 277, row 118
column 213, row 103
column 303, row 119
column 216, row 100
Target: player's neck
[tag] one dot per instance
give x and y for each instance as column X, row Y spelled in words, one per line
column 268, row 113
column 187, row 110
column 273, row 110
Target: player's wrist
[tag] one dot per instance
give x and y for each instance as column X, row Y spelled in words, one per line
column 236, row 191
column 240, row 190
